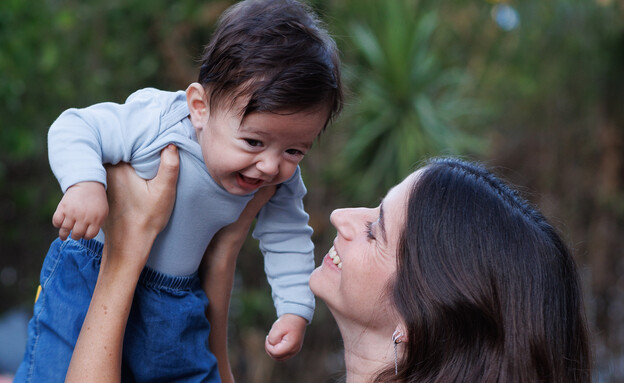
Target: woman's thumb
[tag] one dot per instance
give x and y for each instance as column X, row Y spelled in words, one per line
column 169, row 166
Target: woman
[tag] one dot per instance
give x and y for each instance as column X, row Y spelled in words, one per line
column 452, row 278
column 479, row 286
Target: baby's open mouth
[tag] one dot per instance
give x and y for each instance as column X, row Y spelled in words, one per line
column 249, row 182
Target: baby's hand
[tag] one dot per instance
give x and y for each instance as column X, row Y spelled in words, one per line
column 82, row 211
column 286, row 337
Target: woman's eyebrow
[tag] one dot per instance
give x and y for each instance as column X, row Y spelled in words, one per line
column 382, row 224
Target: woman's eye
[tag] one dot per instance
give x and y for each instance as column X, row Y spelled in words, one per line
column 253, row 143
column 294, row 152
column 369, row 230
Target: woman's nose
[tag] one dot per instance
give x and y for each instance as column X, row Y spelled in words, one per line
column 345, row 221
column 269, row 164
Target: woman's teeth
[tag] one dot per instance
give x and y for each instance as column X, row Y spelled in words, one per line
column 335, row 257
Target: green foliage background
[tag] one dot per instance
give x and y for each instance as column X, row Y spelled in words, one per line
column 541, row 103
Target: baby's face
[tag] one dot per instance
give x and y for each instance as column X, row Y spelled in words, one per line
column 261, row 149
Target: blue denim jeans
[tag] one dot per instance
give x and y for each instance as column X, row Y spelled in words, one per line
column 166, row 337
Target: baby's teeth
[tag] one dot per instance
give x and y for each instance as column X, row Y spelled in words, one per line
column 336, row 260
column 340, row 265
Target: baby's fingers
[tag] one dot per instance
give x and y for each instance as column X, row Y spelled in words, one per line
column 270, row 348
column 78, row 230
column 58, row 218
column 66, row 228
column 92, row 231
column 275, row 336
column 279, row 351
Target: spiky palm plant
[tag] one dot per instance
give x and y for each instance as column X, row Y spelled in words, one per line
column 405, row 105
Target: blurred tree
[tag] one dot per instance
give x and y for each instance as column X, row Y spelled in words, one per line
column 541, row 96
column 57, row 55
column 556, row 82
column 27, row 192
column 407, row 103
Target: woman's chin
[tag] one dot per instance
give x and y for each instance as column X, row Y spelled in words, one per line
column 321, row 285
column 314, row 281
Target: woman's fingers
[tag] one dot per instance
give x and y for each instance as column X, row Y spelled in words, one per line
column 169, row 164
column 163, row 187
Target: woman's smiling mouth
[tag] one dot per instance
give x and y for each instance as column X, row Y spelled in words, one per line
column 335, row 257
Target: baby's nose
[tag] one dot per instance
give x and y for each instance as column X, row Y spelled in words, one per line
column 269, row 165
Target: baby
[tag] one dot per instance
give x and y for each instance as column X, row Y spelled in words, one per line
column 268, row 85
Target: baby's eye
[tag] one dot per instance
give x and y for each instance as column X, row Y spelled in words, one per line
column 295, row 152
column 369, row 230
column 253, row 143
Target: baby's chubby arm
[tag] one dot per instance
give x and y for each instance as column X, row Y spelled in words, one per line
column 286, row 337
column 81, row 141
column 284, row 235
column 82, row 211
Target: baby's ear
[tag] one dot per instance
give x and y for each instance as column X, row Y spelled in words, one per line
column 198, row 104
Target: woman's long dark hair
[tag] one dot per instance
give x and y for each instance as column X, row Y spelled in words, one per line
column 487, row 289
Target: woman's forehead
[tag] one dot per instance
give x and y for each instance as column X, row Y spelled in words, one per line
column 395, row 202
column 403, row 189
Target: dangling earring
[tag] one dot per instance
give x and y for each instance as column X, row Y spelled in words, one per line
column 396, row 339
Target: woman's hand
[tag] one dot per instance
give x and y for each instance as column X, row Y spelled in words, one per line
column 217, row 274
column 139, row 210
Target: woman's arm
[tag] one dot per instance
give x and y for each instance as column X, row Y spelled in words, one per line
column 217, row 274
column 139, row 210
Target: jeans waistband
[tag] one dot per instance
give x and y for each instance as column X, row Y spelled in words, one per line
column 91, row 244
column 154, row 278
column 148, row 276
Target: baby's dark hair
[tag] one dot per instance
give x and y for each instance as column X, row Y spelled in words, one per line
column 277, row 54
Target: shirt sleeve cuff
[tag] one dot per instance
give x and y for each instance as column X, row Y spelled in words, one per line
column 293, row 308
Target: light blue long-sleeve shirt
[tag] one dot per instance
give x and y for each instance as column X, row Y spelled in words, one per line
column 80, row 141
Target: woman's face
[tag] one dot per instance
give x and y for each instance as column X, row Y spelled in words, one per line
column 353, row 277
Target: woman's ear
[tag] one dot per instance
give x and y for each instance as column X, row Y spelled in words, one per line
column 198, row 104
column 399, row 335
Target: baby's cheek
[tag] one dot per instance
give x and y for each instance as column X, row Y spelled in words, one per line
column 287, row 171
